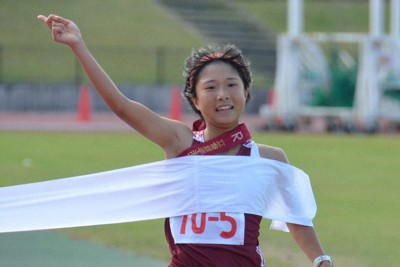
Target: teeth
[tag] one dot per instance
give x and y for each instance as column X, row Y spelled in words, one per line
column 224, row 108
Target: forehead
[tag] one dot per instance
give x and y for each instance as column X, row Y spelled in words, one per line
column 218, row 70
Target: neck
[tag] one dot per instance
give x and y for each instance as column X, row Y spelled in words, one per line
column 222, row 141
column 210, row 132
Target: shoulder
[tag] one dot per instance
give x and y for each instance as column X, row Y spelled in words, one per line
column 271, row 152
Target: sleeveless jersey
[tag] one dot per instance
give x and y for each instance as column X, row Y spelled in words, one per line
column 201, row 248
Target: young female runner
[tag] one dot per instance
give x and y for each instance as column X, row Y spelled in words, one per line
column 217, row 87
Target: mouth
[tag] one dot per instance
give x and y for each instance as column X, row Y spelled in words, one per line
column 223, row 108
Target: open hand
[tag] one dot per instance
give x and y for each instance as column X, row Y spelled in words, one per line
column 63, row 30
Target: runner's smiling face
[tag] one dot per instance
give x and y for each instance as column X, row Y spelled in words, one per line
column 220, row 94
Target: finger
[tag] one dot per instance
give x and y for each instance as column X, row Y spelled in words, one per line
column 57, row 35
column 53, row 18
column 58, row 31
column 57, row 25
column 44, row 20
column 58, row 19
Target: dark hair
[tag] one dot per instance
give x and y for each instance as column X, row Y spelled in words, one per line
column 196, row 62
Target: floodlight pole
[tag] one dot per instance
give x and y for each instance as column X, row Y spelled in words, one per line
column 395, row 19
column 295, row 17
column 376, row 15
column 367, row 90
column 287, row 75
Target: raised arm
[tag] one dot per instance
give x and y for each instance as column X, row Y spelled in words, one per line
column 172, row 136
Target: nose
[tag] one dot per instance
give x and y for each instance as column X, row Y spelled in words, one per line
column 223, row 94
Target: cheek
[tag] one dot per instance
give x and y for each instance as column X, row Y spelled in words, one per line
column 242, row 95
column 202, row 99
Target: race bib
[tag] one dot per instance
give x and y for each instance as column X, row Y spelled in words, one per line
column 209, row 228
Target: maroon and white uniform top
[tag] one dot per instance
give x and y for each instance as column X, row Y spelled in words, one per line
column 215, row 238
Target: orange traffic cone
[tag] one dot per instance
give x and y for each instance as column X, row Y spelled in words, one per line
column 84, row 104
column 175, row 110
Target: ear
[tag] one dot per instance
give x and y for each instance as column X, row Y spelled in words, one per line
column 195, row 102
column 246, row 93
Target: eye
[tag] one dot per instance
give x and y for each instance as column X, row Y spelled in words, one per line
column 232, row 84
column 210, row 87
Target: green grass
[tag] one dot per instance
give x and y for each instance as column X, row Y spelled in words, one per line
column 355, row 181
column 319, row 15
column 125, row 35
column 133, row 29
